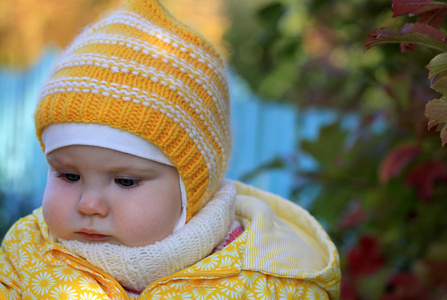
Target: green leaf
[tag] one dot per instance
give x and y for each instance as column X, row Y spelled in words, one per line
column 437, row 65
column 436, row 111
column 334, row 140
column 330, row 205
column 387, row 35
column 441, row 85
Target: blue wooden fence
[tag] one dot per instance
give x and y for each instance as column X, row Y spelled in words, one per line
column 261, row 131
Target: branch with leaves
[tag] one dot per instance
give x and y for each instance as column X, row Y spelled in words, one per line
column 426, row 32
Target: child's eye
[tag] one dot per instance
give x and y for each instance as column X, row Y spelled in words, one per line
column 70, row 177
column 127, row 182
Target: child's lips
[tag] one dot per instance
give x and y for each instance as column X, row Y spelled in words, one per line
column 93, row 235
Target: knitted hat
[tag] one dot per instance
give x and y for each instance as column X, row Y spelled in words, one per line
column 142, row 71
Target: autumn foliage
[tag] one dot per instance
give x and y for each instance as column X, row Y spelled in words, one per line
column 424, row 32
column 29, row 27
column 379, row 178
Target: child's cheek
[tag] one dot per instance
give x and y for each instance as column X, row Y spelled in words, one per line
column 55, row 208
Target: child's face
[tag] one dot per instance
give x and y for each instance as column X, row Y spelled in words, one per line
column 100, row 195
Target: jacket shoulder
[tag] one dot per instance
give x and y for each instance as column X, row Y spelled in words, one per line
column 285, row 240
column 26, row 228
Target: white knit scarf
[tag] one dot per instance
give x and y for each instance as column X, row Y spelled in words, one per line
column 137, row 267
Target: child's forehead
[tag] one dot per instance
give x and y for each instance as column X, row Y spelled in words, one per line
column 102, row 158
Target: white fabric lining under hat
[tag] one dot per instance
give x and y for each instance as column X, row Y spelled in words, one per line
column 60, row 135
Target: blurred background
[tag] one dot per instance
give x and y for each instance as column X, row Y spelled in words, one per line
column 315, row 119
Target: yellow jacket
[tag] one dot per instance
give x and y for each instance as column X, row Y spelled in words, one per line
column 282, row 254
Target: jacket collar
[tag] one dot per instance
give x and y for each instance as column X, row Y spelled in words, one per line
column 285, row 240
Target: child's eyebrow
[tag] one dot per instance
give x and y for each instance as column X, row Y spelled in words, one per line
column 133, row 168
column 56, row 160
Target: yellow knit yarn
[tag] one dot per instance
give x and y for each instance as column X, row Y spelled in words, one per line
column 140, row 70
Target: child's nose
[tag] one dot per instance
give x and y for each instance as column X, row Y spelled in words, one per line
column 92, row 203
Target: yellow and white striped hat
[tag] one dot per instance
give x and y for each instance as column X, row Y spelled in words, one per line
column 142, row 71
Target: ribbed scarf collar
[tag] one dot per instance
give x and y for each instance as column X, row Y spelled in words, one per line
column 136, row 268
